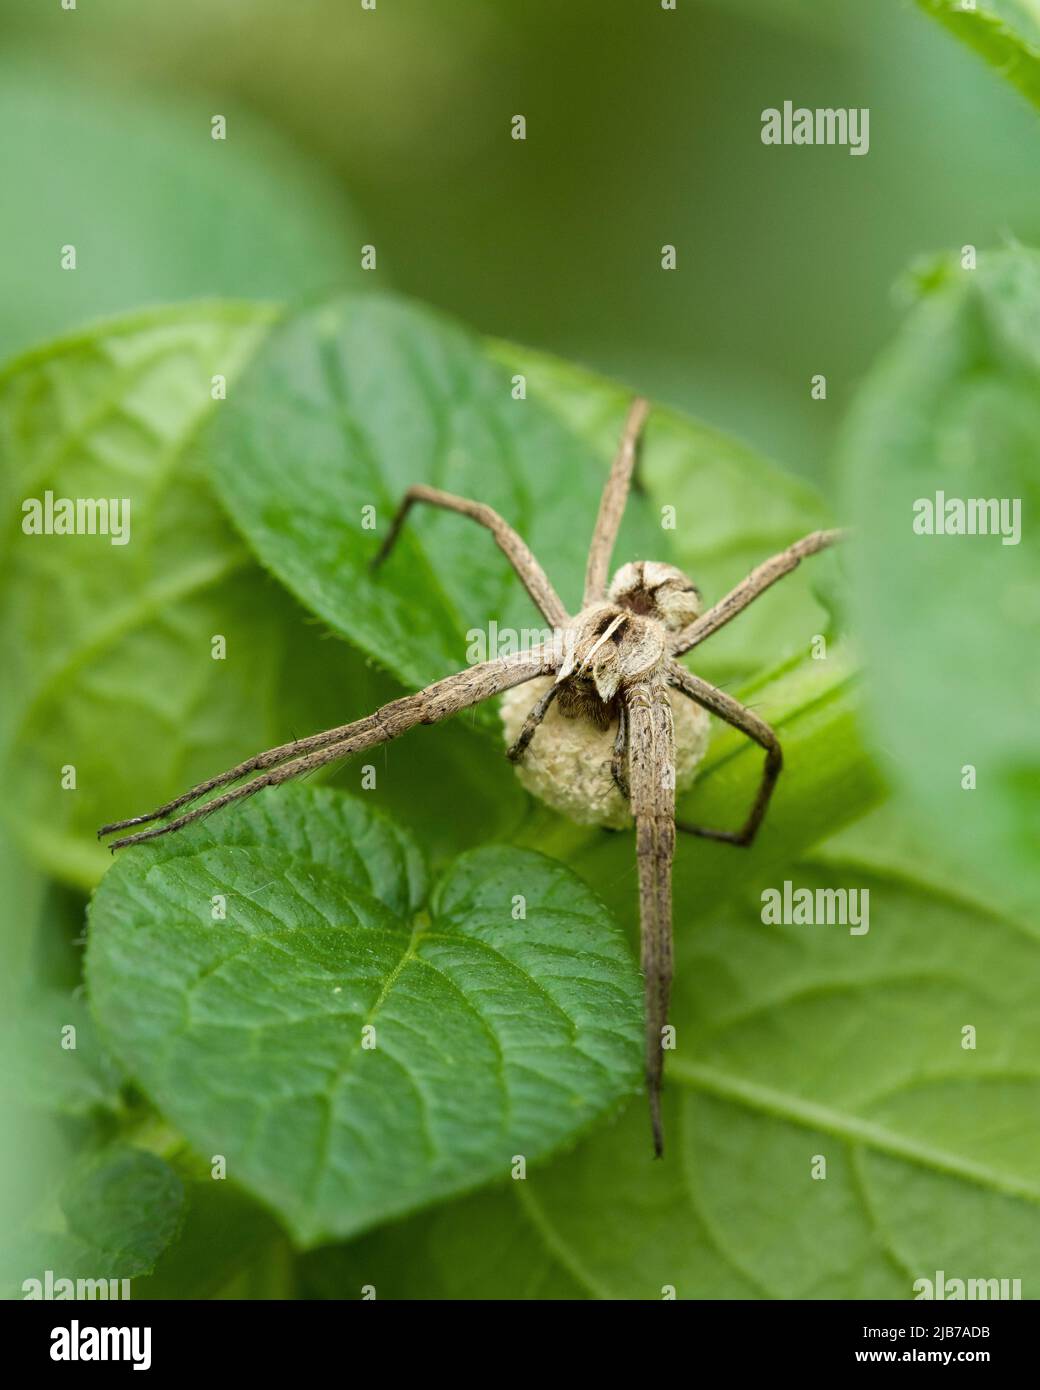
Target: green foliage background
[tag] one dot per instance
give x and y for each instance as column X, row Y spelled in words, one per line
column 241, row 258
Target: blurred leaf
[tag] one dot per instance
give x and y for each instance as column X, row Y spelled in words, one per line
column 792, row 1042
column 39, row 1072
column 494, row 1037
column 951, row 623
column 484, row 1246
column 126, row 1205
column 155, row 208
column 115, row 1214
column 54, row 1104
column 1004, row 33
column 224, row 1233
column 346, row 406
column 108, row 647
column 25, row 893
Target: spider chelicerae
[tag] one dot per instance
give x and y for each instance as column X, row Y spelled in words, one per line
column 613, row 673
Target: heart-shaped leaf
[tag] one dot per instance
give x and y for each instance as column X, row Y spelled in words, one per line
column 270, row 980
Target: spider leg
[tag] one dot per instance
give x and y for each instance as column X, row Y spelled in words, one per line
column 653, row 804
column 532, row 576
column 617, row 762
column 757, row 582
column 428, row 706
column 531, row 723
column 733, row 712
column 612, row 503
column 270, row 758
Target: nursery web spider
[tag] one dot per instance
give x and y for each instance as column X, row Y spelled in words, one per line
column 614, row 670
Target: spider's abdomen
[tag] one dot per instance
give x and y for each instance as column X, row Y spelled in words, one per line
column 568, row 762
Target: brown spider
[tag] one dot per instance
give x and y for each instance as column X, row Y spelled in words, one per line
column 613, row 666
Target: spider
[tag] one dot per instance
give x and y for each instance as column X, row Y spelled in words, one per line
column 613, row 669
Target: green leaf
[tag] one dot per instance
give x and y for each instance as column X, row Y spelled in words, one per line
column 41, row 1071
column 242, row 217
column 116, row 1213
column 346, row 406
column 951, row 623
column 494, row 1037
column 109, row 648
column 126, row 1206
column 792, row 1042
column 110, row 645
column 1004, row 33
column 484, row 1246
column 225, row 1237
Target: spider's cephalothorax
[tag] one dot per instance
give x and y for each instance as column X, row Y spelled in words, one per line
column 618, row 724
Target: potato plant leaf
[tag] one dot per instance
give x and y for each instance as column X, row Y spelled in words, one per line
column 355, row 1047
